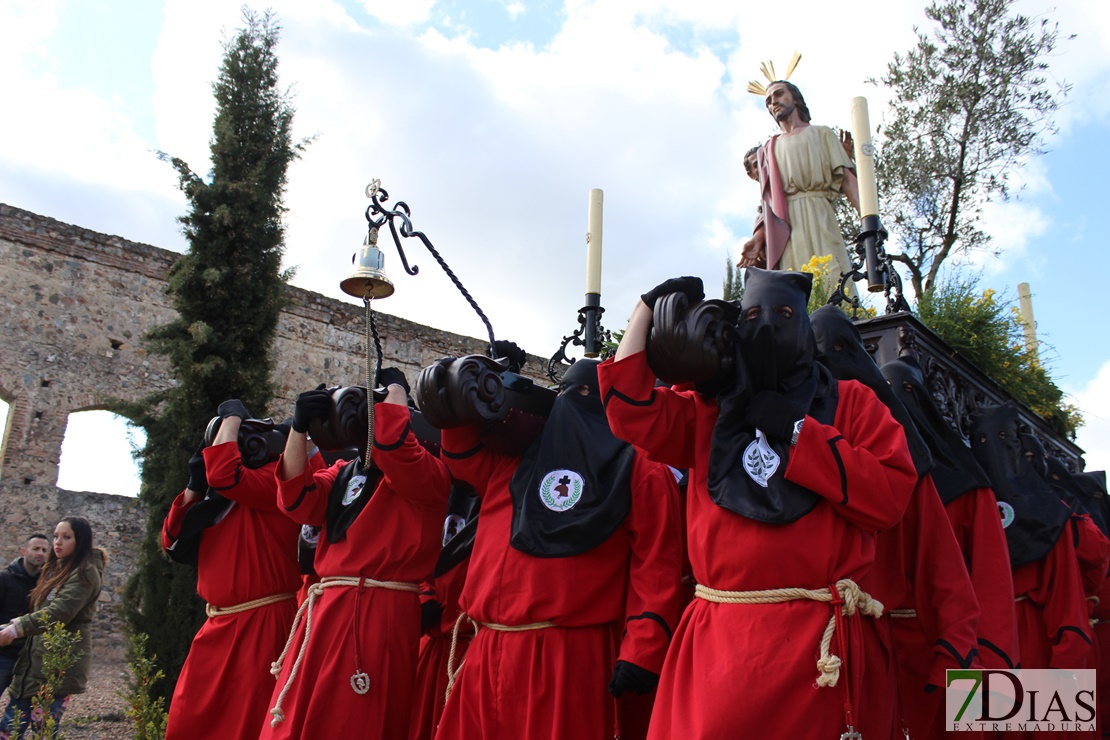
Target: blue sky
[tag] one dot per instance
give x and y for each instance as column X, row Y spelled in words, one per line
column 492, row 119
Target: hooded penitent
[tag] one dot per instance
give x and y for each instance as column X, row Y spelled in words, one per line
column 955, row 470
column 1033, row 515
column 747, row 471
column 1092, row 484
column 840, row 349
column 1082, row 490
column 571, row 489
column 207, row 512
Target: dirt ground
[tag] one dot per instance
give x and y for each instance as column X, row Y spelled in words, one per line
column 98, row 713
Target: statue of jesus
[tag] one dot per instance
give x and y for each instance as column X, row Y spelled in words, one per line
column 801, row 170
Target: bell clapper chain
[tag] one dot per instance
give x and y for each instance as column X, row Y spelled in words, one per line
column 368, row 299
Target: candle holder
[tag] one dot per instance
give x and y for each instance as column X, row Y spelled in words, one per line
column 590, row 335
column 869, row 261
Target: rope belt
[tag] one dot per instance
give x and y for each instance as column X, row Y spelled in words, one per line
column 1094, row 599
column 452, row 671
column 216, row 611
column 903, row 613
column 845, row 592
column 314, row 591
column 1021, row 598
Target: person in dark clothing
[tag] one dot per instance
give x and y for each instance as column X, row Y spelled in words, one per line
column 16, row 583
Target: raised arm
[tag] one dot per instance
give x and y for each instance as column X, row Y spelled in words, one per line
column 864, row 469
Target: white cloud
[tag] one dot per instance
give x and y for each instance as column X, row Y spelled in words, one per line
column 1094, row 435
column 515, row 10
column 399, row 12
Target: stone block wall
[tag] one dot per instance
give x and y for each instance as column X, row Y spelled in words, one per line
column 75, row 305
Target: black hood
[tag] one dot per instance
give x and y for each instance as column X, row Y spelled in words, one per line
column 774, row 331
column 571, row 489
column 747, row 472
column 1033, row 514
column 955, row 470
column 840, row 349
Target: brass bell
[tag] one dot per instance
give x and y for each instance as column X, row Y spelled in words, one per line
column 368, row 280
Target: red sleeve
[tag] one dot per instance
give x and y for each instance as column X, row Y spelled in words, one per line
column 978, row 528
column 655, row 568
column 171, row 528
column 943, row 595
column 865, row 470
column 659, row 421
column 467, row 457
column 1065, row 608
column 231, row 479
column 1093, row 550
column 409, row 469
column 304, row 498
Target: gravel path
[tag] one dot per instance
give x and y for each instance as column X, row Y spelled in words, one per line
column 98, row 713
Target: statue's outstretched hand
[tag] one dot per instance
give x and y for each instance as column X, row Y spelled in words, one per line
column 754, row 252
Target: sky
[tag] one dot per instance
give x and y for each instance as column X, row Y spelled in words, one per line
column 492, row 120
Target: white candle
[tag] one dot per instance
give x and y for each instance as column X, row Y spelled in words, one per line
column 593, row 242
column 865, row 158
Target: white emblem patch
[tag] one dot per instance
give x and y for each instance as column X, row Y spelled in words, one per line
column 452, row 525
column 560, row 490
column 310, row 534
column 760, row 461
column 354, row 488
column 1007, row 513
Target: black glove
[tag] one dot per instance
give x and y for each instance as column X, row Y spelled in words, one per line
column 510, row 351
column 315, row 404
column 387, row 376
column 775, row 414
column 691, row 286
column 430, row 614
column 234, row 407
column 198, row 476
column 631, row 677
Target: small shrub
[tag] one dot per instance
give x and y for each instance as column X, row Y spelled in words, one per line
column 145, row 708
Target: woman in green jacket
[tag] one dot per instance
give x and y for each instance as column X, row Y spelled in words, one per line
column 67, row 591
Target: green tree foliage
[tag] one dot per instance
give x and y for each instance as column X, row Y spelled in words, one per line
column 988, row 331
column 733, row 287
column 971, row 103
column 228, row 290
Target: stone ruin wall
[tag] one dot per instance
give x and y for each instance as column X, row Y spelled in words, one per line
column 76, row 305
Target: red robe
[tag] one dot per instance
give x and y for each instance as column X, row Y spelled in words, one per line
column 978, row 529
column 919, row 567
column 750, row 670
column 551, row 683
column 435, row 647
column 1101, row 629
column 251, row 553
column 1093, row 550
column 396, row 537
column 1053, row 626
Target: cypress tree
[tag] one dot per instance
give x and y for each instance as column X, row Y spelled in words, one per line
column 229, row 290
